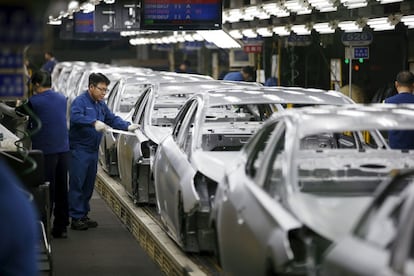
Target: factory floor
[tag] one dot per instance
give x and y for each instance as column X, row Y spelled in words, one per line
column 109, row 249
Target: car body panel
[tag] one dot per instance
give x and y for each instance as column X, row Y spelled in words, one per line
column 121, row 100
column 366, row 260
column 324, row 189
column 260, row 227
column 212, row 163
column 190, row 194
column 381, row 242
column 135, row 170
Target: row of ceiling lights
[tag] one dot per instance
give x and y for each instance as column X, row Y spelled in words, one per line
column 217, row 37
column 376, row 24
column 285, row 8
column 265, row 11
column 222, row 40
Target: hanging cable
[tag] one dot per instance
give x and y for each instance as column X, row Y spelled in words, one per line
column 24, row 152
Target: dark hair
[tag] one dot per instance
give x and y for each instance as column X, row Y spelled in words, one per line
column 96, row 78
column 249, row 70
column 405, row 78
column 43, row 78
column 49, row 53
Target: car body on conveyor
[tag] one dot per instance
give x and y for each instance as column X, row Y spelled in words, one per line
column 61, row 72
column 208, row 132
column 121, row 100
column 301, row 183
column 155, row 111
column 382, row 241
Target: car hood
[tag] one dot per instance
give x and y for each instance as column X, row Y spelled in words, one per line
column 213, row 163
column 330, row 217
column 156, row 134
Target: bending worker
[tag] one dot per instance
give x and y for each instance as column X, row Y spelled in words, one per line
column 245, row 74
column 89, row 117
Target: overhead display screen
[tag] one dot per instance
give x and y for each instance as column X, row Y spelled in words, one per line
column 84, row 27
column 83, row 22
column 181, row 14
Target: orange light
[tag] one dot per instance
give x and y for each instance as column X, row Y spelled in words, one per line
column 356, row 67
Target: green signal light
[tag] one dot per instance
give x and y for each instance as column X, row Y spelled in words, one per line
column 347, row 60
column 361, row 60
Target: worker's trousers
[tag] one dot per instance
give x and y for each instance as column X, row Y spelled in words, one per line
column 56, row 172
column 82, row 175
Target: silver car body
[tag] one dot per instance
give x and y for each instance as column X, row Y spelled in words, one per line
column 155, row 111
column 186, row 177
column 291, row 191
column 122, row 99
column 382, row 241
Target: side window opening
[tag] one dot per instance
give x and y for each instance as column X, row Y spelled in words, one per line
column 273, row 185
column 253, row 164
column 180, row 119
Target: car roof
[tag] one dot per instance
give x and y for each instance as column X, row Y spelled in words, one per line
column 354, row 117
column 192, row 87
column 281, row 95
column 157, row 77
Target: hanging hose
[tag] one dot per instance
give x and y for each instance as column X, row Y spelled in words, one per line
column 24, row 152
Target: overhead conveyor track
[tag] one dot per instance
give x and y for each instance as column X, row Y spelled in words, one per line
column 143, row 223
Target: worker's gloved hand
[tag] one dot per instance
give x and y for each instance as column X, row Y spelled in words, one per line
column 133, row 127
column 100, row 126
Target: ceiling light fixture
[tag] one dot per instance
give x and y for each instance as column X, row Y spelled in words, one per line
column 220, row 38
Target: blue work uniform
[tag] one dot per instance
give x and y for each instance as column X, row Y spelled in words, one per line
column 84, row 143
column 53, row 140
column 401, row 139
column 49, row 65
column 19, row 235
column 234, row 76
column 53, row 136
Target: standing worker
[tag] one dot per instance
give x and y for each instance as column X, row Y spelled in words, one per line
column 50, row 62
column 402, row 139
column 245, row 74
column 53, row 140
column 89, row 117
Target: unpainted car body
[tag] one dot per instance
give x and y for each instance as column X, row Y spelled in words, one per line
column 301, row 183
column 155, row 111
column 122, row 99
column 382, row 242
column 207, row 134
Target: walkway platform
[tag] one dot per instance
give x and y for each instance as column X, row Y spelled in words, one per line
column 110, row 249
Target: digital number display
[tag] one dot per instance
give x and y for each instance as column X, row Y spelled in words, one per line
column 356, row 39
column 181, row 14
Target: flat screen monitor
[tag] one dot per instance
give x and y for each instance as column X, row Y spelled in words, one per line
column 84, row 22
column 172, row 15
column 84, row 26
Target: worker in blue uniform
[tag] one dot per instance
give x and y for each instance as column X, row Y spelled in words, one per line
column 402, row 139
column 19, row 235
column 245, row 74
column 89, row 117
column 50, row 62
column 50, row 135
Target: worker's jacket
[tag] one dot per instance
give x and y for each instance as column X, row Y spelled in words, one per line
column 84, row 112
